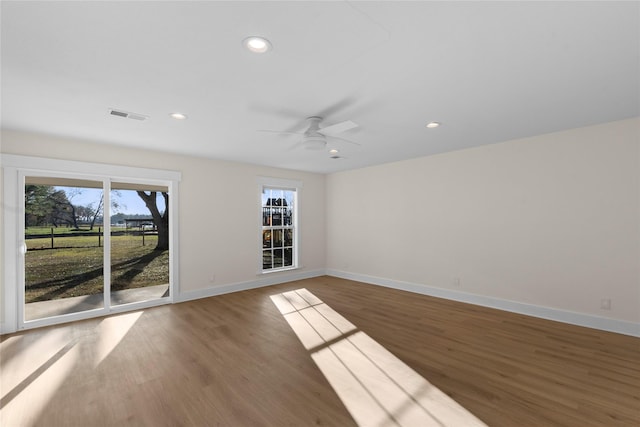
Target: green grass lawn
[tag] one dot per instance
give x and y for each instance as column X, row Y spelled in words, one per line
column 68, row 272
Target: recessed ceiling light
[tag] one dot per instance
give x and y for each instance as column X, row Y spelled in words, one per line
column 432, row 125
column 333, row 151
column 257, row 44
column 178, row 116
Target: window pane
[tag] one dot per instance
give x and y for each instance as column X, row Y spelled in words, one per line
column 266, row 238
column 139, row 243
column 277, row 238
column 276, row 196
column 276, row 215
column 63, row 266
column 266, row 260
column 288, row 257
column 288, row 237
column 277, row 258
column 287, row 217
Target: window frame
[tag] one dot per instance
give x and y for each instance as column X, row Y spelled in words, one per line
column 284, row 185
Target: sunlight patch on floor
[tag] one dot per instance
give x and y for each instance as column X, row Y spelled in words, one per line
column 41, row 348
column 111, row 331
column 32, row 394
column 376, row 387
column 34, row 367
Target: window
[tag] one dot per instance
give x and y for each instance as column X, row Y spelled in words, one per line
column 279, row 227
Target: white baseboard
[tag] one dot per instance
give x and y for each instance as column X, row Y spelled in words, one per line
column 580, row 319
column 266, row 280
column 586, row 320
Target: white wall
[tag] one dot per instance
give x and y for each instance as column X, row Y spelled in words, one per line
column 552, row 221
column 219, row 209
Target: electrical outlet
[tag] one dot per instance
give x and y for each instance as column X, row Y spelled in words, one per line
column 605, row 303
column 456, row 281
column 212, row 278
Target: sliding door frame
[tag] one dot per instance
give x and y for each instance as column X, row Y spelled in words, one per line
column 15, row 169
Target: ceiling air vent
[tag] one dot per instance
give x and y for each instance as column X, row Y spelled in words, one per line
column 128, row 115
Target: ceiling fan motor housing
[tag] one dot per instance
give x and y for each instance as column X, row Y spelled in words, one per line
column 314, row 140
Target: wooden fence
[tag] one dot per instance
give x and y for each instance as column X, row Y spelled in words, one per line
column 86, row 236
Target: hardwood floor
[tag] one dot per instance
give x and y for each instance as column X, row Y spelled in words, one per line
column 233, row 360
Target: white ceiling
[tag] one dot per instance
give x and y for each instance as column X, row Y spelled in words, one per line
column 489, row 71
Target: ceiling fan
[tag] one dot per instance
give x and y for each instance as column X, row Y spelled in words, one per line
column 315, row 137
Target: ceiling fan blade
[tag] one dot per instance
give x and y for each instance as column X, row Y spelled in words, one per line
column 346, row 140
column 338, row 128
column 280, row 131
column 337, row 107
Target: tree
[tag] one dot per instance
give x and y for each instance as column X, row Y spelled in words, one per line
column 63, row 212
column 97, row 212
column 160, row 219
column 45, row 205
column 37, row 204
column 84, row 213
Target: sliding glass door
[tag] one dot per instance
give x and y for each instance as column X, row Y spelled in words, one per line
column 92, row 246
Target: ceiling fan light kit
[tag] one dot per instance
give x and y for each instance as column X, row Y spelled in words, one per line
column 314, row 142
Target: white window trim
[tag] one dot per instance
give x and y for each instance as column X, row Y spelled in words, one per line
column 280, row 183
column 14, row 168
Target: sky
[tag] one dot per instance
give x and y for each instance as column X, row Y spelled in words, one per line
column 128, row 201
